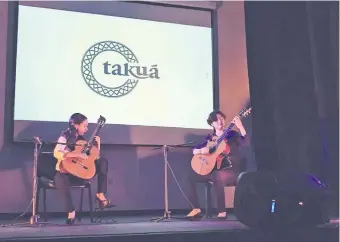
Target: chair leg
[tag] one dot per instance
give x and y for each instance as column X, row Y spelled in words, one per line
column 208, row 213
column 90, row 203
column 81, row 204
column 45, row 205
column 37, row 196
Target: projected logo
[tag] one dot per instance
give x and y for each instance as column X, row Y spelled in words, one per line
column 111, row 69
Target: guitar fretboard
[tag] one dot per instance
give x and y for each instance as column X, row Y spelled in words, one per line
column 100, row 124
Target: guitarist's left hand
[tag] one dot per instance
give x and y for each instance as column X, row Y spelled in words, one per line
column 238, row 123
column 97, row 139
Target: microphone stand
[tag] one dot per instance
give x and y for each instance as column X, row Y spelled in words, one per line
column 34, row 218
column 167, row 213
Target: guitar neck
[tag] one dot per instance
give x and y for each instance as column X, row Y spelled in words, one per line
column 225, row 133
column 231, row 125
column 95, row 133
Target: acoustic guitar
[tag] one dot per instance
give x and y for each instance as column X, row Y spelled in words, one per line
column 85, row 169
column 204, row 164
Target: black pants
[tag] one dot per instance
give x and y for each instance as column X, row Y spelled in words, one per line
column 64, row 180
column 220, row 179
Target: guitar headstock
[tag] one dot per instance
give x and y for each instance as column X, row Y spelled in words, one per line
column 245, row 112
column 101, row 120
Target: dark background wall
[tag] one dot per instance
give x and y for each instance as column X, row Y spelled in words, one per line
column 136, row 173
column 293, row 65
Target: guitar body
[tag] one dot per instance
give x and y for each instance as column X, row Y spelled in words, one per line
column 85, row 169
column 204, row 164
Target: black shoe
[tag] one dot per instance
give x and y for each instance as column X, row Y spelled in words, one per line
column 222, row 218
column 70, row 221
column 195, row 217
column 102, row 204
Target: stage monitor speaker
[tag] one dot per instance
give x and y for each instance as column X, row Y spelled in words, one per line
column 267, row 198
column 254, row 193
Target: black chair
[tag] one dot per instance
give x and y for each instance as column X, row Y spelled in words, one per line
column 45, row 181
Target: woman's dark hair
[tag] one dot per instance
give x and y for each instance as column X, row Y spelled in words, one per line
column 213, row 116
column 71, row 133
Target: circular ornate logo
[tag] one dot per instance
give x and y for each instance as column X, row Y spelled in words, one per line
column 90, row 78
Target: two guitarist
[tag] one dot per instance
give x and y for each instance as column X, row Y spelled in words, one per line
column 78, row 126
column 229, row 164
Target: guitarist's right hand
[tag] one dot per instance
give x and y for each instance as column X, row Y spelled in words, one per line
column 202, row 151
column 196, row 151
column 205, row 151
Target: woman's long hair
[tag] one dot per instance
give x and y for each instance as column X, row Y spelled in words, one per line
column 71, row 133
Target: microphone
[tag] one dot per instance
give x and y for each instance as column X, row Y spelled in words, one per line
column 173, row 146
column 184, row 145
column 37, row 139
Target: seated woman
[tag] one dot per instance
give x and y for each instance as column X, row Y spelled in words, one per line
column 228, row 165
column 78, row 126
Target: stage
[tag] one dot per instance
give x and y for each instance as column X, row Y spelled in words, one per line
column 140, row 228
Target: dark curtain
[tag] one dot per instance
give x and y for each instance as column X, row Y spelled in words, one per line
column 293, row 60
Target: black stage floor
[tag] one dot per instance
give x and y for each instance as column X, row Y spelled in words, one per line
column 138, row 229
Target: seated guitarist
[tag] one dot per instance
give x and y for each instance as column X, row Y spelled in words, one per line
column 78, row 126
column 228, row 166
